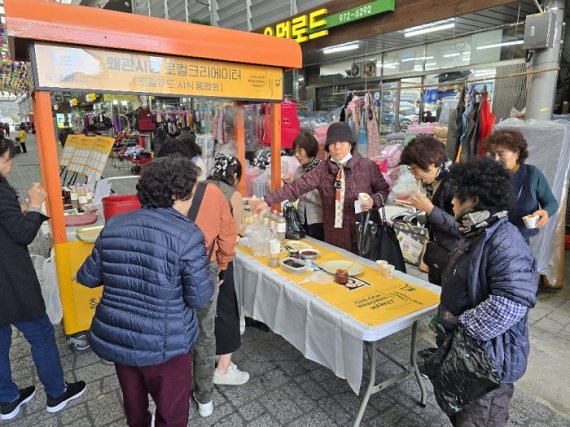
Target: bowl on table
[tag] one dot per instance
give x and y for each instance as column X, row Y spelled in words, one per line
column 309, row 253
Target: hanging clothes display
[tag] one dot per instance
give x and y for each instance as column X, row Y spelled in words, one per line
column 290, row 124
column 487, row 121
column 454, row 128
column 144, row 120
column 373, row 148
column 470, row 139
column 353, row 115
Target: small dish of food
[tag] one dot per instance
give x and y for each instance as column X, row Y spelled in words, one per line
column 293, row 265
column 309, row 253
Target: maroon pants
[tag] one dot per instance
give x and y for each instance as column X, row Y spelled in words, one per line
column 169, row 386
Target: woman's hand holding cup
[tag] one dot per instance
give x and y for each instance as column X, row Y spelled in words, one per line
column 36, row 196
column 366, row 202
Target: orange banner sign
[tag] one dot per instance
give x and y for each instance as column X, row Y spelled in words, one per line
column 100, row 70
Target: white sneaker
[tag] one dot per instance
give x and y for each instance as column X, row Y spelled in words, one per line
column 232, row 377
column 205, row 409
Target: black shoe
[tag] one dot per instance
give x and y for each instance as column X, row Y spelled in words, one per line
column 10, row 410
column 72, row 391
column 256, row 324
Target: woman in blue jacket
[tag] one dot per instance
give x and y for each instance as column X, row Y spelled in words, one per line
column 489, row 284
column 530, row 188
column 155, row 271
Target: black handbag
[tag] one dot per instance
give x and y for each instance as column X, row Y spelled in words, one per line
column 377, row 240
column 435, row 255
column 460, row 371
column 294, row 230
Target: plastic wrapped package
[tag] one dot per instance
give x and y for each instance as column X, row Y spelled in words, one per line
column 406, row 185
column 549, row 150
column 460, row 371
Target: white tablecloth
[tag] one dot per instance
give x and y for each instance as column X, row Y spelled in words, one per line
column 321, row 332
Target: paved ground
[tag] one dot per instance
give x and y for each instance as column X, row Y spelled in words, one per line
column 287, row 390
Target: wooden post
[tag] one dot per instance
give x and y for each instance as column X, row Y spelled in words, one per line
column 239, row 126
column 49, row 164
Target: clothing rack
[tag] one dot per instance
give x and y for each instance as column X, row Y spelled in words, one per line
column 464, row 82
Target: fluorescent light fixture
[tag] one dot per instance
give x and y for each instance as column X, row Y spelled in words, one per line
column 340, row 48
column 421, row 58
column 490, row 46
column 451, row 55
column 465, row 59
column 431, row 64
column 429, row 30
column 390, row 65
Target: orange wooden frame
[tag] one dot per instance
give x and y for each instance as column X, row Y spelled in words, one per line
column 29, row 20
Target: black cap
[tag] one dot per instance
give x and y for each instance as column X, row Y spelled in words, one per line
column 339, row 131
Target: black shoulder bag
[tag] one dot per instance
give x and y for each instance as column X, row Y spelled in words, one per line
column 377, row 239
column 195, row 207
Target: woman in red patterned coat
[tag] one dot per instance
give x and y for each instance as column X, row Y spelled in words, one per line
column 339, row 180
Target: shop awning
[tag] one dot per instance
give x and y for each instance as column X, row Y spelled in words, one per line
column 29, row 20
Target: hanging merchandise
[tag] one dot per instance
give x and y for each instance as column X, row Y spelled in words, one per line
column 343, row 113
column 144, row 121
column 362, row 136
column 373, row 149
column 470, row 139
column 353, row 114
column 487, row 121
column 289, row 124
column 454, row 129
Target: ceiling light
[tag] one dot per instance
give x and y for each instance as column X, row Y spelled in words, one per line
column 429, row 30
column 451, row 55
column 490, row 46
column 340, row 48
column 431, row 64
column 421, row 58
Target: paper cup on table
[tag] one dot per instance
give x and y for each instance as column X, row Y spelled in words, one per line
column 388, row 271
column 381, row 265
column 530, row 221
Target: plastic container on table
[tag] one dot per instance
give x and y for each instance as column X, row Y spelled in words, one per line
column 114, row 205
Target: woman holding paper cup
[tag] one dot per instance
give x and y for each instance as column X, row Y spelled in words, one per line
column 534, row 202
column 339, row 180
column 426, row 160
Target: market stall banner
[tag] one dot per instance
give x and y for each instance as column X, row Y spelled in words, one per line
column 100, row 70
column 86, row 155
column 374, row 299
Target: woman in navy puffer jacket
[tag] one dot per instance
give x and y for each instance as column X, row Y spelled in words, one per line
column 489, row 285
column 155, row 271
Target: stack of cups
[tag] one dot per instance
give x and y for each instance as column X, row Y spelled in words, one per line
column 385, row 268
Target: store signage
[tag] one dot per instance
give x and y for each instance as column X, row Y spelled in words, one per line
column 90, row 97
column 361, row 12
column 101, row 70
column 313, row 25
column 110, row 97
column 58, row 98
column 302, row 28
column 73, row 102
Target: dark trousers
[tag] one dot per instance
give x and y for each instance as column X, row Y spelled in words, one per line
column 23, row 145
column 41, row 336
column 167, row 383
column 491, row 410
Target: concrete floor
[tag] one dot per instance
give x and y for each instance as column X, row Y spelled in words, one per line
column 287, row 390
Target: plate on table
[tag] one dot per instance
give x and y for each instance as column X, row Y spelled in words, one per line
column 80, row 219
column 331, row 267
column 296, row 244
column 89, row 234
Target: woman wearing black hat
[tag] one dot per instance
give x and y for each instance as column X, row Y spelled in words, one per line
column 339, row 181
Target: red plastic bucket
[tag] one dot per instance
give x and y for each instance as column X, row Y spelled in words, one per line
column 114, row 205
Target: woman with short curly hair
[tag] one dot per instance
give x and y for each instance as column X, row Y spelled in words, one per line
column 533, row 197
column 489, row 284
column 155, row 271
